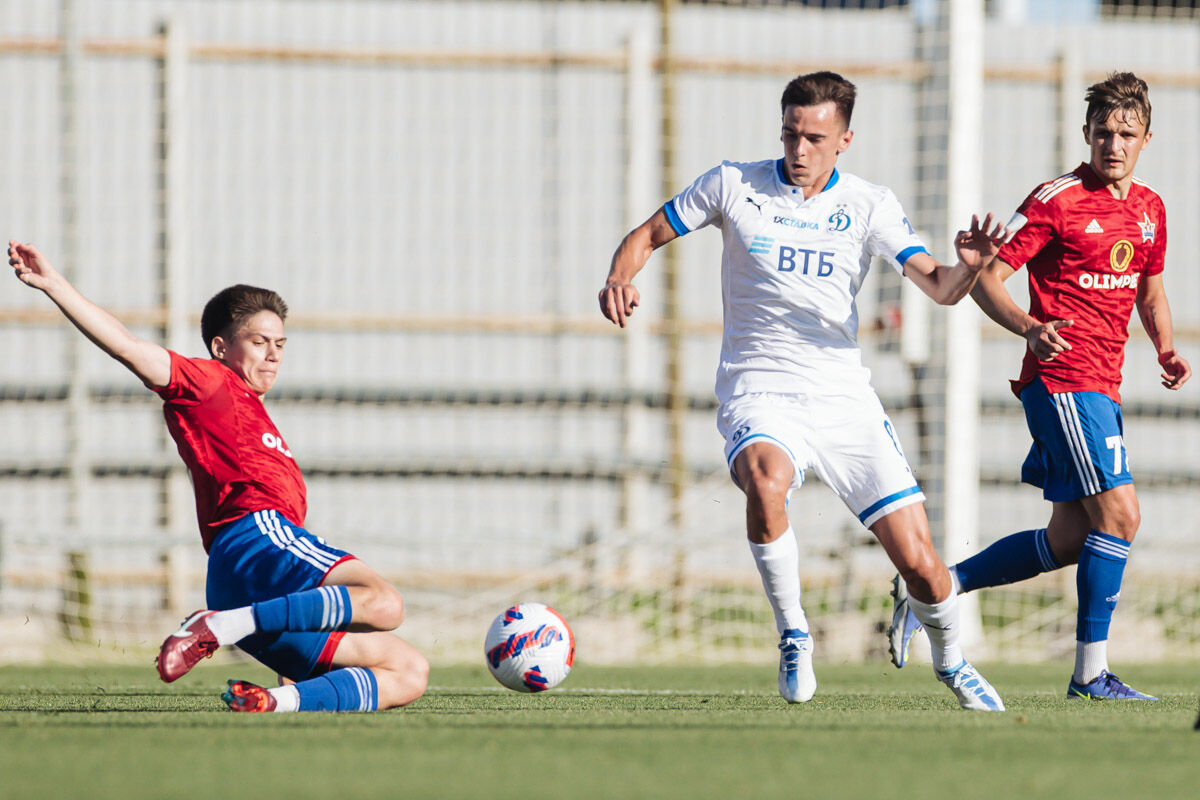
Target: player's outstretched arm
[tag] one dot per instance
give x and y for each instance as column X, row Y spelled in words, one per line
column 1155, row 313
column 975, row 248
column 990, row 295
column 149, row 361
column 620, row 297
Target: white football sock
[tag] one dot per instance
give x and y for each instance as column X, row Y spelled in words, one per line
column 941, row 626
column 230, row 627
column 1091, row 658
column 287, row 698
column 778, row 563
column 955, row 583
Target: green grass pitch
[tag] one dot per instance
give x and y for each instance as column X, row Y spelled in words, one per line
column 654, row 732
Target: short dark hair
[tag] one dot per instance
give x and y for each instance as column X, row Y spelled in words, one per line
column 230, row 308
column 1120, row 91
column 820, row 87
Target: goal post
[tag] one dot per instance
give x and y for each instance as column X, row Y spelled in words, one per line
column 964, row 62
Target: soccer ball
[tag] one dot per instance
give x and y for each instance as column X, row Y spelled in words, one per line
column 529, row 648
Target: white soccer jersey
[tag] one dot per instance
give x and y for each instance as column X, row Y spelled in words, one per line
column 790, row 271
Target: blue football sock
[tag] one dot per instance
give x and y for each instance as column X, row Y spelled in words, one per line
column 323, row 609
column 1016, row 557
column 1098, row 582
column 349, row 689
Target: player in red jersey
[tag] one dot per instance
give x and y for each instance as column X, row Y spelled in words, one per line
column 315, row 614
column 1093, row 244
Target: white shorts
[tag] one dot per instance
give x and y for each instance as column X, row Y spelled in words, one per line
column 847, row 440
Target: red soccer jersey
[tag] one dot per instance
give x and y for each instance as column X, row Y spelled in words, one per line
column 1085, row 252
column 237, row 458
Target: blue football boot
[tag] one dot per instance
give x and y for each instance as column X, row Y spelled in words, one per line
column 1106, row 687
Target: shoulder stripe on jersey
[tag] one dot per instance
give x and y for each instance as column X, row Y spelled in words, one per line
column 904, row 255
column 1145, row 185
column 673, row 218
column 1055, row 186
column 1048, row 185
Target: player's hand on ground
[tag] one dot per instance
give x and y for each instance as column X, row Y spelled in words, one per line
column 30, row 266
column 1176, row 369
column 618, row 300
column 1045, row 341
column 977, row 246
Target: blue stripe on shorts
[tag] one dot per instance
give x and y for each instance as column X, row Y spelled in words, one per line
column 886, row 501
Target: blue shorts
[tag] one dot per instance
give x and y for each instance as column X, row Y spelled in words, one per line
column 1078, row 449
column 263, row 556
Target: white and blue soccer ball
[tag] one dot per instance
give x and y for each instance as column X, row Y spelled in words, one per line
column 529, row 648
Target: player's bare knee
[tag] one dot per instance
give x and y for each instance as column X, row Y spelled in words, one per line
column 1068, row 553
column 416, row 676
column 1128, row 521
column 1120, row 520
column 765, row 489
column 923, row 574
column 399, row 692
column 391, row 609
column 919, row 585
column 382, row 607
column 405, row 677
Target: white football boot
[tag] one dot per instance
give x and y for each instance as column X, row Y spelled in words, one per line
column 972, row 689
column 797, row 682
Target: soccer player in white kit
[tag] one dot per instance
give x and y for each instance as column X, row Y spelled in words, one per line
column 799, row 237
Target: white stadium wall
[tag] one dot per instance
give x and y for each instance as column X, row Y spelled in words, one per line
column 436, row 188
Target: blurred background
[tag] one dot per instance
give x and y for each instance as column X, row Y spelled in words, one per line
column 437, row 188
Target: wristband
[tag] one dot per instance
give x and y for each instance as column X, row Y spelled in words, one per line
column 1163, row 358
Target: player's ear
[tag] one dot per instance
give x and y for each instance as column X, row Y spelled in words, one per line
column 1087, row 132
column 218, row 348
column 844, row 143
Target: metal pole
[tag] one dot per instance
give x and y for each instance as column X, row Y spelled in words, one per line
column 78, row 410
column 1071, row 86
column 639, row 199
column 173, row 216
column 676, row 401
column 173, row 237
column 964, row 161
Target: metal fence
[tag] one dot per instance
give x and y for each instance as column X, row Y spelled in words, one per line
column 437, row 188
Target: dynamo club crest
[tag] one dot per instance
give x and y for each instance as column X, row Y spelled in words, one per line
column 839, row 220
